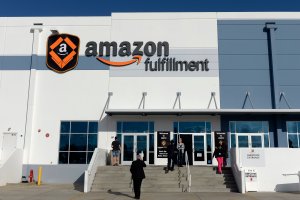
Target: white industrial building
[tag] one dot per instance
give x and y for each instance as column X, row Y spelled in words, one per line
column 56, row 119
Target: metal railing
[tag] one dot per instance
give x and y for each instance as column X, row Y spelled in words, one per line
column 188, row 172
column 295, row 174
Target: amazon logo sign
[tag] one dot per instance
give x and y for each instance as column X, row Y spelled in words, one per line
column 136, row 51
column 63, row 55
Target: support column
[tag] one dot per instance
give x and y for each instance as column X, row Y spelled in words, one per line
column 29, row 122
column 271, row 28
column 274, row 76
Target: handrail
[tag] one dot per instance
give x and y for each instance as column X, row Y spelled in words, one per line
column 296, row 174
column 89, row 174
column 188, row 171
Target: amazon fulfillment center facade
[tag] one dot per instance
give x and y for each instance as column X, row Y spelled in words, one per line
column 71, row 84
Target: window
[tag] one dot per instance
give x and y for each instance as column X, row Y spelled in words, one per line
column 138, row 127
column 249, row 133
column 78, row 139
column 293, row 136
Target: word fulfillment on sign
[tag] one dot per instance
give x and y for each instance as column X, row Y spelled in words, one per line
column 137, row 50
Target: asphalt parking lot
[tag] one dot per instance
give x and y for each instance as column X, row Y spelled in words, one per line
column 68, row 192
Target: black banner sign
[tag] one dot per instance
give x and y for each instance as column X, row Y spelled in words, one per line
column 163, row 140
column 221, row 138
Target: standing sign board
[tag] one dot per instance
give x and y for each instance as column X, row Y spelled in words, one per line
column 163, row 139
column 251, row 182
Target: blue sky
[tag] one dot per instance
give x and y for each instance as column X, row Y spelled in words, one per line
column 106, row 7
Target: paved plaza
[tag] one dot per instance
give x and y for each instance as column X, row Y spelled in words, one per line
column 67, row 192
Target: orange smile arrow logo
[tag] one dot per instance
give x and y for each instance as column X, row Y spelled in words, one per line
column 136, row 58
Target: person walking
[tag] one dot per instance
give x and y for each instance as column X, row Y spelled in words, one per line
column 219, row 154
column 181, row 148
column 116, row 146
column 171, row 150
column 137, row 175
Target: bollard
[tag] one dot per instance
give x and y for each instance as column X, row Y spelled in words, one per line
column 31, row 176
column 39, row 176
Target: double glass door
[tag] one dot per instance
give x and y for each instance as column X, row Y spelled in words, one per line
column 253, row 140
column 132, row 145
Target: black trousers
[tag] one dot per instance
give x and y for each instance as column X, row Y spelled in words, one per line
column 137, row 187
column 170, row 163
column 180, row 159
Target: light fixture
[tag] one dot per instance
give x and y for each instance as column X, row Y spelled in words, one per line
column 54, row 31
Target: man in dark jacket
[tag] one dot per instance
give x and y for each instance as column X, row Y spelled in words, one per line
column 172, row 150
column 138, row 174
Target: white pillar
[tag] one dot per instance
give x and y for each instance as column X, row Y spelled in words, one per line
column 36, row 29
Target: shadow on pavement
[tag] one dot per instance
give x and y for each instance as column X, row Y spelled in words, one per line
column 119, row 194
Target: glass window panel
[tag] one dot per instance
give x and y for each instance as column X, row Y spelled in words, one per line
column 266, row 140
column 151, row 142
column 142, row 146
column 77, row 158
column 208, row 127
column 175, row 127
column 119, row 136
column 233, row 143
column 78, row 142
column 92, row 142
column 208, row 142
column 79, row 127
column 65, row 127
column 199, row 148
column 135, row 127
column 64, row 142
column 151, row 127
column 293, row 140
column 232, row 127
column 265, row 126
column 119, row 127
column 93, row 127
column 192, row 127
column 256, row 141
column 249, row 127
column 128, row 148
column 298, row 125
column 199, row 143
column 63, row 158
column 89, row 157
column 243, row 141
column 292, row 127
column 209, row 159
column 175, row 137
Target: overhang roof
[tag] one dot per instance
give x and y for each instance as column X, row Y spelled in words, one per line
column 199, row 111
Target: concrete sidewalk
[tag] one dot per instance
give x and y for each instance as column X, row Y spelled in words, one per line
column 67, row 192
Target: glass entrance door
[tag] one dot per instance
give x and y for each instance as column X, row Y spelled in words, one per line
column 246, row 140
column 199, row 149
column 133, row 144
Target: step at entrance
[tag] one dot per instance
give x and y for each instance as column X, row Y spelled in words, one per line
column 204, row 179
column 118, row 179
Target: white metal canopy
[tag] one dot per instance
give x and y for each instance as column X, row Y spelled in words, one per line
column 199, row 111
